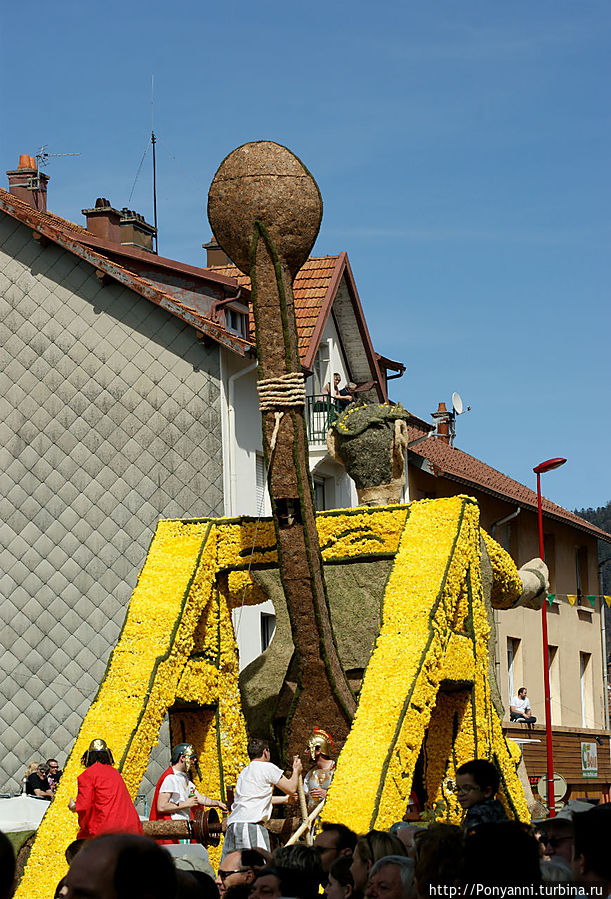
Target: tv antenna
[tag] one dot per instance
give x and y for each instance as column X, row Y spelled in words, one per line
column 42, row 160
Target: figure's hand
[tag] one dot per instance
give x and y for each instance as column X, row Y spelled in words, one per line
column 297, row 766
column 222, row 805
column 191, row 802
column 318, row 793
column 535, row 584
column 72, row 805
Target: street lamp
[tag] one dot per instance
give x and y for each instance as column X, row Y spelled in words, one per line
column 551, row 801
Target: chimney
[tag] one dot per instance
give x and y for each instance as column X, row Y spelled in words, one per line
column 443, row 422
column 135, row 232
column 214, row 254
column 28, row 184
column 103, row 221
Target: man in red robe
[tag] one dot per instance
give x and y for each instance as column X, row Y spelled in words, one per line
column 175, row 795
column 103, row 803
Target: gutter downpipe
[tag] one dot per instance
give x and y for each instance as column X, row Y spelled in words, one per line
column 231, row 432
column 603, row 640
column 497, row 658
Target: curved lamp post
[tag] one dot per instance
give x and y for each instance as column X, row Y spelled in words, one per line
column 551, row 801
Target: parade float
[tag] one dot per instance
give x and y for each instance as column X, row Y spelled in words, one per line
column 383, row 611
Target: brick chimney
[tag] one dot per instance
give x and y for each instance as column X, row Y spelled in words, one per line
column 443, row 423
column 104, row 221
column 28, row 184
column 135, row 232
column 214, row 254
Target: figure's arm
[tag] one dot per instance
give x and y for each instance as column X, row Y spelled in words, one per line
column 165, row 806
column 289, row 784
column 84, row 803
column 526, row 587
column 210, row 803
column 44, row 794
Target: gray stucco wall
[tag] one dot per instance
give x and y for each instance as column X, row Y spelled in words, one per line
column 109, row 421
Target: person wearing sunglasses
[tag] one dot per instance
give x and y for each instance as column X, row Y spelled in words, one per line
column 39, row 785
column 239, row 867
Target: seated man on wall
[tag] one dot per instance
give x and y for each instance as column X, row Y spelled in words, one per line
column 519, row 709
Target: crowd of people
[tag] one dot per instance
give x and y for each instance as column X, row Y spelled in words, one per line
column 112, row 859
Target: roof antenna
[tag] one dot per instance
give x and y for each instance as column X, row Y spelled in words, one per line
column 42, row 158
column 154, row 141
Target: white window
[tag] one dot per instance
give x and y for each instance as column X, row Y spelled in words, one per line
column 268, row 629
column 585, row 682
column 554, row 684
column 322, row 370
column 513, row 662
column 236, row 321
column 319, row 494
column 260, row 483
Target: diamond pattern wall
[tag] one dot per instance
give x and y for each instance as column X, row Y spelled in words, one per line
column 109, row 421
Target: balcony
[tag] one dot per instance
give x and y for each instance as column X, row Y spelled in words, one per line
column 321, row 412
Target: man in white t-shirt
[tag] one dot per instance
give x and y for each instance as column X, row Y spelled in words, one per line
column 253, row 799
column 177, row 793
column 519, row 709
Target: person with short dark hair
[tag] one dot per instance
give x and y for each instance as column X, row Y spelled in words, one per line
column 122, row 866
column 333, row 842
column 273, row 882
column 438, row 854
column 103, row 804
column 502, row 854
column 238, row 868
column 7, row 867
column 519, row 708
column 303, row 859
column 253, row 798
column 55, row 773
column 38, row 783
column 340, row 883
column 477, row 783
column 592, row 858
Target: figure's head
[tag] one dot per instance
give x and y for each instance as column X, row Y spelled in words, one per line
column 336, row 378
column 592, row 859
column 118, row 866
column 391, row 878
column 53, row 766
column 239, row 868
column 340, row 884
column 98, row 752
column 475, row 781
column 557, row 838
column 522, row 693
column 273, row 882
column 333, row 842
column 320, row 743
column 369, row 849
column 258, row 749
column 184, row 757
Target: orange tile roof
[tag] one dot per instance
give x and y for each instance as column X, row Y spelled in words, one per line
column 450, row 462
column 310, row 288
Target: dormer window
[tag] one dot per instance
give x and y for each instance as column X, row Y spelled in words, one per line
column 236, row 319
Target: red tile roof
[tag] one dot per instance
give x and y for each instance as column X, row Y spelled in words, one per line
column 450, row 462
column 310, row 289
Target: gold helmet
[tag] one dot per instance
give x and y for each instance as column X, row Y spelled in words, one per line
column 97, row 745
column 320, row 739
column 190, row 754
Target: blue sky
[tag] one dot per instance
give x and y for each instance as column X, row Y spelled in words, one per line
column 461, row 150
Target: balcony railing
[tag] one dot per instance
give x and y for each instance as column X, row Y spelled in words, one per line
column 321, row 412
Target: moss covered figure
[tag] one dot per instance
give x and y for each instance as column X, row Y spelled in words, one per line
column 370, row 442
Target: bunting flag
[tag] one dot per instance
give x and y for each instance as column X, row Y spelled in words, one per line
column 608, row 601
column 572, row 598
column 591, row 599
column 550, row 598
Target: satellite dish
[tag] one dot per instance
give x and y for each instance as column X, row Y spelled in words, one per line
column 457, row 403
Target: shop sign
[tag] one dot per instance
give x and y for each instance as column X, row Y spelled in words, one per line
column 589, row 760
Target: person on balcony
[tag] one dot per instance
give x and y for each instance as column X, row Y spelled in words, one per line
column 342, row 397
column 519, row 709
